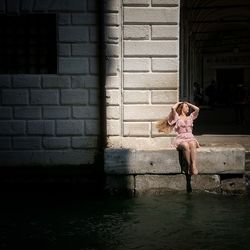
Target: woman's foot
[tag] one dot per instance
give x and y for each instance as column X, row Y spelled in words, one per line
column 194, row 170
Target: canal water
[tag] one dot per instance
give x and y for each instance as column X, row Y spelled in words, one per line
column 164, row 222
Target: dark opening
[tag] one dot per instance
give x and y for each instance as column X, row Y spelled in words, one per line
column 28, row 44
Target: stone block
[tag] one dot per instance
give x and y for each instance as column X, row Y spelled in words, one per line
column 81, row 49
column 26, row 5
column 84, row 18
column 136, row 129
column 136, row 32
column 137, row 2
column 41, row 5
column 118, row 183
column 27, row 143
column 137, row 64
column 94, row 34
column 112, row 6
column 73, row 65
column 5, row 81
column 136, row 97
column 150, row 81
column 5, row 112
column 90, row 112
column 112, row 34
column 145, row 113
column 147, row 183
column 113, row 127
column 92, row 127
column 112, row 50
column 12, row 97
column 151, row 15
column 27, row 112
column 56, row 112
column 113, row 82
column 112, row 66
column 64, row 18
column 40, row 97
column 5, row 143
column 74, row 96
column 56, row 142
column 113, row 112
column 12, row 128
column 164, row 96
column 113, row 97
column 94, row 97
column 2, row 6
column 94, row 65
column 151, row 48
column 167, row 32
column 165, row 2
column 165, row 64
column 206, row 183
column 68, row 5
column 73, row 34
column 69, row 127
column 92, row 5
column 112, row 19
column 12, row 6
column 77, row 81
column 233, row 186
column 41, row 127
column 64, row 49
column 85, row 142
column 92, row 81
column 55, row 81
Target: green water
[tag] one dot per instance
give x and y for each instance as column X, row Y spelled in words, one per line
column 171, row 221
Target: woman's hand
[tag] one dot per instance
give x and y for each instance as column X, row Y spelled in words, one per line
column 174, row 107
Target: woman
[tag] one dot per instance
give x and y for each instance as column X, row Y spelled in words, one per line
column 182, row 122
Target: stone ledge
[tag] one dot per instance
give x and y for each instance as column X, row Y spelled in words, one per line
column 228, row 159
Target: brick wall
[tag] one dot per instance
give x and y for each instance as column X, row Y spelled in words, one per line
column 54, row 119
column 150, row 71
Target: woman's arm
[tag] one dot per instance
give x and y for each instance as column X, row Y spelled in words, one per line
column 195, row 108
column 173, row 114
column 174, row 107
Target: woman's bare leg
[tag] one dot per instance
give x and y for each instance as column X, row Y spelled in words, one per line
column 193, row 153
column 184, row 146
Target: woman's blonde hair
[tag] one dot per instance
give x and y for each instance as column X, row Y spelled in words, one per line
column 163, row 125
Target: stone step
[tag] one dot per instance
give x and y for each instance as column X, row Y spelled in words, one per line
column 228, row 159
column 247, row 165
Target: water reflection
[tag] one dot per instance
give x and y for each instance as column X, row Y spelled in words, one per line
column 172, row 221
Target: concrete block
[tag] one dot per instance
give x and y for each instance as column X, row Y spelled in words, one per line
column 94, row 34
column 112, row 19
column 5, row 143
column 12, row 127
column 74, row 96
column 84, row 18
column 27, row 143
column 68, row 5
column 112, row 6
column 112, row 66
column 41, row 127
column 92, row 81
column 94, row 97
column 94, row 65
column 165, row 2
column 90, row 112
column 85, row 142
column 64, row 18
column 112, row 34
column 12, row 97
column 206, row 182
column 150, row 48
column 137, row 32
column 151, row 15
column 113, row 127
column 113, row 82
column 136, row 129
column 73, row 65
column 56, row 112
column 27, row 112
column 26, row 5
column 64, row 49
column 5, row 112
column 113, row 97
column 5, row 81
column 41, row 5
column 112, row 50
column 39, row 97
column 113, row 112
column 164, row 96
column 92, row 127
column 151, row 81
column 12, row 6
column 137, row 2
column 55, row 81
column 73, row 34
column 26, row 81
column 136, row 97
column 77, row 81
column 82, row 49
column 233, row 186
column 145, row 113
column 118, row 183
column 165, row 64
column 92, row 5
column 56, row 142
column 137, row 64
column 69, row 127
column 167, row 32
column 148, row 183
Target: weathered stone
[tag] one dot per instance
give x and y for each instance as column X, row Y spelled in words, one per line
column 136, row 128
column 117, row 183
column 233, row 186
column 206, row 182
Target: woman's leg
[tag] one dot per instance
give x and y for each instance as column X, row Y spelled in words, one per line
column 184, row 146
column 193, row 152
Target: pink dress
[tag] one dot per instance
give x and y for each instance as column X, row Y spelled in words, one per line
column 184, row 129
